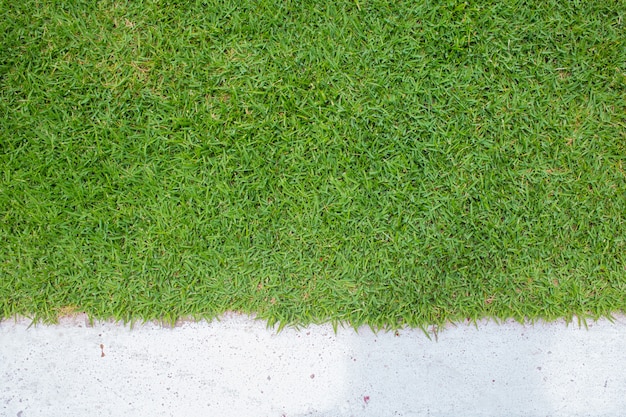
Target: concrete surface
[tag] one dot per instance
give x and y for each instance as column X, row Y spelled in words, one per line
column 237, row 367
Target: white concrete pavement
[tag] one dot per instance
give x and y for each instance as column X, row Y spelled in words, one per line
column 238, row 367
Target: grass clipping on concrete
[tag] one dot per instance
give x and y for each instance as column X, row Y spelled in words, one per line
column 365, row 162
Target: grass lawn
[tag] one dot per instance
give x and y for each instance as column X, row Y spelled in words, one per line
column 371, row 162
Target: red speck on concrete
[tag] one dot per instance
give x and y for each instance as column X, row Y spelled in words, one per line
column 366, row 399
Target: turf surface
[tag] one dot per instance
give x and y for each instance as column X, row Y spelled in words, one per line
column 370, row 162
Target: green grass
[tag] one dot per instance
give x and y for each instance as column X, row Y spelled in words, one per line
column 369, row 162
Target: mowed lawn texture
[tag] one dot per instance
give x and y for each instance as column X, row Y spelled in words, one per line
column 367, row 162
